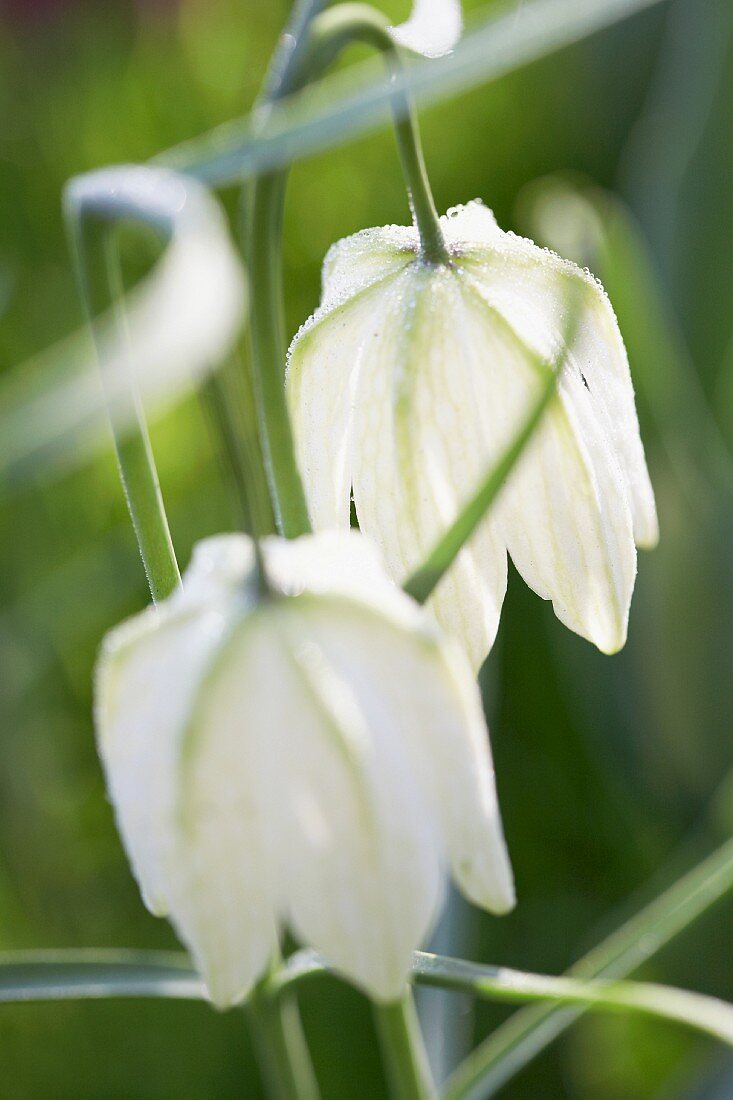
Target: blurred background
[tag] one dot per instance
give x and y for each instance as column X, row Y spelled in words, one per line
column 612, row 772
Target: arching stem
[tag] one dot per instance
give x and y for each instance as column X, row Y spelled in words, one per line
column 98, row 275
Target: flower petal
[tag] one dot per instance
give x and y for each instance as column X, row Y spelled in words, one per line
column 356, row 262
column 533, row 289
column 470, row 227
column 563, row 513
column 139, row 719
column 433, row 29
column 428, row 702
column 323, row 371
column 224, row 878
column 415, row 448
column 464, row 792
column 339, row 563
column 360, row 832
column 212, row 878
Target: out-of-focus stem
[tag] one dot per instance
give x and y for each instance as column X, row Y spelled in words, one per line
column 282, row 1052
column 264, row 247
column 405, row 1059
column 330, row 33
column 97, row 265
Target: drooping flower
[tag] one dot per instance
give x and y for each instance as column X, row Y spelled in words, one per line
column 314, row 758
column 411, row 379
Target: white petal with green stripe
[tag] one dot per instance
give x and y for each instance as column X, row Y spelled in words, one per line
column 315, row 758
column 410, row 381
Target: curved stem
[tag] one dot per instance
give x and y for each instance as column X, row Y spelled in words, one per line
column 405, row 1059
column 264, row 255
column 330, row 33
column 98, row 276
column 306, row 56
column 264, row 244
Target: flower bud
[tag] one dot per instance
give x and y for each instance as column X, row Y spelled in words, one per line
column 316, row 757
column 433, row 29
column 412, row 378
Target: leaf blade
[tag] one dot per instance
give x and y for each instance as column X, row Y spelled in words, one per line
column 36, row 976
column 526, row 1034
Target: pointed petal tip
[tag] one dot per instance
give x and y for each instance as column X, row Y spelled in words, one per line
column 381, row 981
column 382, row 992
column 154, row 903
column 502, row 908
column 648, row 539
column 506, row 898
column 222, row 992
column 611, row 646
column 499, row 896
column 223, row 1002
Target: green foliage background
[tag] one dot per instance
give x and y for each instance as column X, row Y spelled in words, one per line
column 613, row 772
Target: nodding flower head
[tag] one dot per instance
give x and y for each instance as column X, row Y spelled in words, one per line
column 314, row 758
column 412, row 378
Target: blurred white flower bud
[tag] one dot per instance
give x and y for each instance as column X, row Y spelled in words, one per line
column 411, row 379
column 433, row 29
column 316, row 757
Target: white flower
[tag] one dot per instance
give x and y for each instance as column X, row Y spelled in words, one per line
column 433, row 29
column 410, row 380
column 313, row 758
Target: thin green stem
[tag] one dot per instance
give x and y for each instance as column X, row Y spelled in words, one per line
column 305, row 56
column 403, row 1051
column 503, row 43
column 432, row 243
column 285, row 64
column 264, row 248
column 330, row 33
column 281, row 1046
column 237, row 456
column 97, row 269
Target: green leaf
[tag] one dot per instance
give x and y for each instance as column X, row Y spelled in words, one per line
column 80, row 975
column 343, row 108
column 528, row 1032
column 499, row 983
column 496, row 983
column 427, row 576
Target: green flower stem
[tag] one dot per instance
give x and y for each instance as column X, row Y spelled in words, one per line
column 97, row 268
column 405, row 1059
column 307, row 52
column 330, row 33
column 281, row 77
column 281, row 1047
column 226, row 156
column 264, row 247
